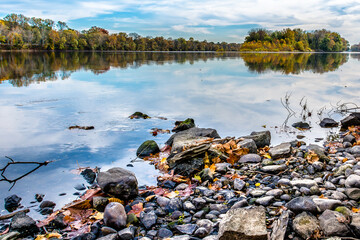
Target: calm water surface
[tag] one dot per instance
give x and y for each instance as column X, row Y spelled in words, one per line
column 42, row 94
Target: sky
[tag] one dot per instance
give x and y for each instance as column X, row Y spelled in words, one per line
column 213, row 20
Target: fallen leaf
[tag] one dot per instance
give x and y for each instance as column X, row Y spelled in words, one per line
column 137, row 209
column 171, row 194
column 149, row 198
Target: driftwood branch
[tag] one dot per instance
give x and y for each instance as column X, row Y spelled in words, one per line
column 12, row 162
column 10, row 215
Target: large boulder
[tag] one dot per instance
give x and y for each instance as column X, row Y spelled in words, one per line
column 118, row 182
column 353, row 181
column 115, row 215
column 333, row 223
column 147, row 149
column 261, row 139
column 243, row 224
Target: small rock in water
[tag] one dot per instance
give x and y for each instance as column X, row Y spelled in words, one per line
column 183, row 125
column 147, row 149
column 62, row 194
column 138, row 115
column 302, row 125
column 89, row 175
column 130, row 165
column 80, row 187
column 328, row 123
column 39, row 197
column 12, row 202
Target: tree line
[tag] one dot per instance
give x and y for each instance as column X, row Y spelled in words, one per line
column 294, row 40
column 355, row 47
column 20, row 32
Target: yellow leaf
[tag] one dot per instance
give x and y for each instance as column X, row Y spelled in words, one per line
column 54, row 235
column 257, row 184
column 267, row 156
column 40, row 237
column 355, row 210
column 149, row 198
column 206, row 160
column 116, row 200
column 197, row 177
column 212, row 168
column 344, row 160
column 171, row 194
column 97, row 216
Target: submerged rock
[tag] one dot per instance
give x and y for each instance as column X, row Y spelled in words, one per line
column 243, row 224
column 138, row 115
column 118, row 182
column 302, row 125
column 147, row 149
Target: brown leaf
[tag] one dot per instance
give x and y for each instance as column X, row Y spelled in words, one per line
column 137, row 209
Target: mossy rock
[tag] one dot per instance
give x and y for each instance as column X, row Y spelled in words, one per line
column 132, row 219
column 147, row 149
column 138, row 115
column 344, row 211
column 184, row 125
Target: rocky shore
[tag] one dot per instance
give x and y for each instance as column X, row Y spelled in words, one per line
column 216, row 188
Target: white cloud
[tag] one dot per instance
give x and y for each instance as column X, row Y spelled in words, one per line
column 190, row 29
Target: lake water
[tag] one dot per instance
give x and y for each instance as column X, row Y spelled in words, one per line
column 42, row 94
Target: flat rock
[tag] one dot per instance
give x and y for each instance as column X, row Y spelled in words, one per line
column 126, row 233
column 351, row 120
column 308, row 183
column 328, row 123
column 186, row 228
column 305, row 224
column 353, row 193
column 300, row 204
column 355, row 224
column 273, row 168
column 118, row 182
column 280, row 151
column 332, row 225
column 23, row 224
column 148, row 219
column 264, row 201
column 324, row 203
column 244, row 224
column 250, row 158
column 274, row 192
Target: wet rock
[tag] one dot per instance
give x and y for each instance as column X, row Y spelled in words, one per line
column 118, row 182
column 184, row 125
column 47, row 204
column 200, row 232
column 147, row 149
column 164, row 233
column 99, row 203
column 244, row 224
column 308, row 183
column 353, row 193
column 280, row 151
column 39, row 197
column 305, row 224
column 115, row 215
column 353, row 181
column 349, row 138
column 324, row 203
column 249, row 144
column 240, row 204
column 261, row 139
column 300, row 204
column 273, row 168
column 351, row 120
column 175, row 204
column 138, row 115
column 328, row 123
column 12, row 202
column 80, row 187
column 238, row 184
column 250, row 158
column 206, row 224
column 89, row 175
column 107, row 230
column 332, row 223
column 186, row 228
column 302, row 125
column 148, row 219
column 23, row 224
column 132, row 219
column 126, row 233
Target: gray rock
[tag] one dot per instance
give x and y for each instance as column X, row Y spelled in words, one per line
column 274, row 192
column 118, row 182
column 355, row 150
column 324, row 203
column 184, row 125
column 273, row 168
column 222, row 167
column 162, row 201
column 243, row 224
column 318, row 165
column 181, row 237
column 280, row 151
column 320, row 151
column 302, row 125
column 199, row 202
column 107, row 230
column 200, row 232
column 349, row 138
column 330, row 186
column 249, row 144
column 147, row 149
column 257, row 193
column 240, row 204
column 12, row 202
column 261, row 139
column 338, row 195
column 175, row 204
column 205, row 223
column 188, row 206
column 284, row 181
column 250, row 158
column 351, row 120
column 164, row 233
column 305, row 224
column 186, row 228
column 115, row 215
column 264, row 201
column 353, row 181
column 126, row 233
column 353, row 193
column 301, row 204
column 355, row 224
column 148, row 219
column 308, row 183
column 332, row 224
column 23, row 224
column 218, row 207
column 238, row 184
column 113, row 236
